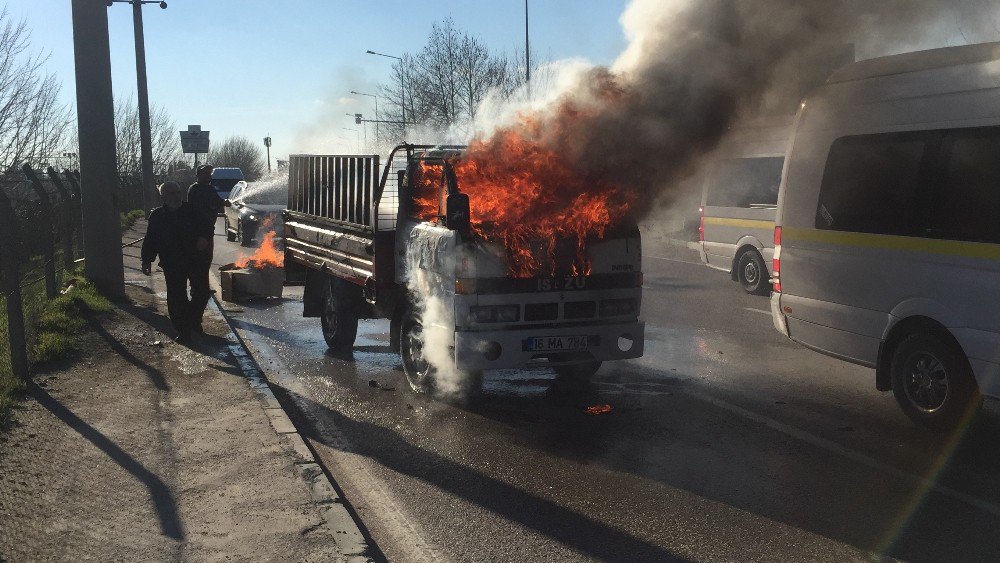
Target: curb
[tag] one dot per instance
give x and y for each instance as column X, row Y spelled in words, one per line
column 346, row 531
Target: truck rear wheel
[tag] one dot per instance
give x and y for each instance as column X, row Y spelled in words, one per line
column 339, row 320
column 419, row 372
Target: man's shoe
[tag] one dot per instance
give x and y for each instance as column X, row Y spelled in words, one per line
column 183, row 338
column 198, row 328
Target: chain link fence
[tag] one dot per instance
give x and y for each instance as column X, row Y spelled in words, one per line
column 41, row 238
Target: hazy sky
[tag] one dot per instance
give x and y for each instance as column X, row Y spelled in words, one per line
column 258, row 67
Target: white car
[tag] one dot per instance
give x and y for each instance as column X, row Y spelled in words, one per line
column 251, row 210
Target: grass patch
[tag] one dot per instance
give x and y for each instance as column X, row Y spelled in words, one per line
column 128, row 219
column 63, row 318
column 51, row 329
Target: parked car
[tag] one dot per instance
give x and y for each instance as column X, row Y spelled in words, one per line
column 887, row 239
column 225, row 179
column 738, row 202
column 251, row 207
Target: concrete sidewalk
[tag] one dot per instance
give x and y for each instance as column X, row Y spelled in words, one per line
column 144, row 449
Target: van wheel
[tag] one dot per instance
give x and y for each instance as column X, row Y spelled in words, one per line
column 339, row 321
column 752, row 273
column 230, row 235
column 419, row 372
column 932, row 381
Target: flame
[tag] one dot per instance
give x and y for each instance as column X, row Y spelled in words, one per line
column 530, row 198
column 598, row 409
column 266, row 255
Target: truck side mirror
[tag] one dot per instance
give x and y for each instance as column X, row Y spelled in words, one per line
column 457, row 212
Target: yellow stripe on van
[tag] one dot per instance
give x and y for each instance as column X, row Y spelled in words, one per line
column 894, row 242
column 745, row 223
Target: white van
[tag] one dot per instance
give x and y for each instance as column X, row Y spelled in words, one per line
column 888, row 227
column 739, row 199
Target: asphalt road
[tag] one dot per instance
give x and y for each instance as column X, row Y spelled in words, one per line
column 726, row 442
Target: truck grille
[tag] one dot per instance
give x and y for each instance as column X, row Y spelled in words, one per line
column 579, row 309
column 541, row 311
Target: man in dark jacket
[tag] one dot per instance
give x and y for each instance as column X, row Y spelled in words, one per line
column 207, row 205
column 171, row 235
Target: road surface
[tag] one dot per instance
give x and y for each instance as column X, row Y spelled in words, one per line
column 725, row 442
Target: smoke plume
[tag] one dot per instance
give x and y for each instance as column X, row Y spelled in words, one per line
column 693, row 68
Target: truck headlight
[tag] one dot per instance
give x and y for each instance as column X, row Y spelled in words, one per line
column 496, row 313
column 617, row 307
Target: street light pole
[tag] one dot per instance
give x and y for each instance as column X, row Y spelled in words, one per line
column 357, row 136
column 376, row 113
column 145, row 131
column 402, row 85
column 267, row 143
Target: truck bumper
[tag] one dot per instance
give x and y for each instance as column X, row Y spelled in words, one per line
column 505, row 349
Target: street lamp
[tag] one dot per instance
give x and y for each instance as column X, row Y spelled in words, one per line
column 402, row 86
column 267, row 143
column 145, row 135
column 376, row 112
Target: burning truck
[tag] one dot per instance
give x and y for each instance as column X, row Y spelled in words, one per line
column 480, row 260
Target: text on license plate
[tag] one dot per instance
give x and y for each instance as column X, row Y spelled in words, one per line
column 560, row 343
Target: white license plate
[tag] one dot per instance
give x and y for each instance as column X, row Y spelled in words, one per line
column 556, row 343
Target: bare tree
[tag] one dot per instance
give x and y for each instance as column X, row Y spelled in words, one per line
column 239, row 152
column 33, row 123
column 165, row 141
column 446, row 81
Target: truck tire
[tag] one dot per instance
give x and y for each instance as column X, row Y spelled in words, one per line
column 339, row 319
column 419, row 373
column 752, row 273
column 932, row 381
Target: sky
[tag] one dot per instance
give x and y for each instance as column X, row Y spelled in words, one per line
column 271, row 67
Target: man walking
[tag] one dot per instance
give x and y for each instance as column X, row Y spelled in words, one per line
column 171, row 235
column 207, row 206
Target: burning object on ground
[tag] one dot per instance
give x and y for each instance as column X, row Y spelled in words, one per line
column 598, row 409
column 261, row 274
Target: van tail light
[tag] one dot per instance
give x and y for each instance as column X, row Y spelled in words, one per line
column 776, row 263
column 701, row 224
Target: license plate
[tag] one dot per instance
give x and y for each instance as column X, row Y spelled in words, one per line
column 559, row 343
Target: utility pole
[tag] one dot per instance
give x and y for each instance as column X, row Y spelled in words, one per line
column 376, row 114
column 98, row 167
column 145, row 131
column 527, row 53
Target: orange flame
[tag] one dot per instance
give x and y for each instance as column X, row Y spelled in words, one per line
column 266, row 255
column 598, row 409
column 530, row 198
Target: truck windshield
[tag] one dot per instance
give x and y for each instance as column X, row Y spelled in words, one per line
column 426, row 187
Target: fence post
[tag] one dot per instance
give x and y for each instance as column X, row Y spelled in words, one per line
column 65, row 218
column 10, row 275
column 48, row 244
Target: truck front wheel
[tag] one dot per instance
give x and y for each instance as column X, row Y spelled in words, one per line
column 419, row 373
column 339, row 320
column 575, row 377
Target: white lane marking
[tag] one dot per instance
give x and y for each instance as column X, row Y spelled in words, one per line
column 761, row 311
column 671, row 259
column 858, row 457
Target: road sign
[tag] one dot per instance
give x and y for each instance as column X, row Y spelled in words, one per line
column 194, row 140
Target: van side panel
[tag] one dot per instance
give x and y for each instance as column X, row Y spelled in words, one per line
column 839, row 287
column 726, row 228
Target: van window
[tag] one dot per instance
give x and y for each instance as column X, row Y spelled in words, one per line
column 871, row 184
column 743, row 182
column 967, row 200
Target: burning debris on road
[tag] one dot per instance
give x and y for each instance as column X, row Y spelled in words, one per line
column 260, row 274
